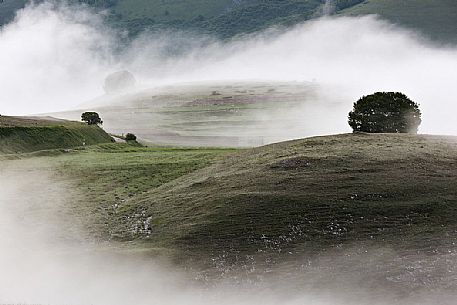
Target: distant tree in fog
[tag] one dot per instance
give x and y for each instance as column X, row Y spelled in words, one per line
column 385, row 112
column 130, row 137
column 91, row 118
column 119, row 82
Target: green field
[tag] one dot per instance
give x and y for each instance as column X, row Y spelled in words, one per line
column 112, row 175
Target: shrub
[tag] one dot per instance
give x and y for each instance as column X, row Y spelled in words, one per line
column 130, row 137
column 387, row 112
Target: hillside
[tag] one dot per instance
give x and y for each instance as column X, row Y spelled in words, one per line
column 437, row 19
column 231, row 114
column 222, row 18
column 407, row 179
column 27, row 134
column 8, row 9
column 227, row 18
column 348, row 196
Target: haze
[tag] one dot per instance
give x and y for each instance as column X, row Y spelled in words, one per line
column 47, row 259
column 54, row 59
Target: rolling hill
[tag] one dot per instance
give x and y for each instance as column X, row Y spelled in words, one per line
column 228, row 114
column 374, row 204
column 377, row 211
column 27, row 134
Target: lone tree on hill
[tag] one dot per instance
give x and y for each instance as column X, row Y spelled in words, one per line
column 385, row 112
column 91, row 118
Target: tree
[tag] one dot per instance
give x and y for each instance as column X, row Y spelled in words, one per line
column 130, row 137
column 119, row 82
column 389, row 112
column 91, row 118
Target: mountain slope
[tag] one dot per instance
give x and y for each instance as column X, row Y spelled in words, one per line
column 222, row 18
column 437, row 19
column 227, row 18
column 8, row 9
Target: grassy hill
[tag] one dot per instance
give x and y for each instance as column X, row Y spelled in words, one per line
column 377, row 210
column 435, row 18
column 231, row 114
column 345, row 195
column 27, row 134
column 358, row 182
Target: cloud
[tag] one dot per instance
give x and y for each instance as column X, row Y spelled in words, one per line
column 53, row 60
column 51, row 57
column 46, row 257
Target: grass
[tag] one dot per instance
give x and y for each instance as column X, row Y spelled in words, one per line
column 296, row 197
column 188, row 114
column 434, row 18
column 110, row 176
column 377, row 203
column 21, row 135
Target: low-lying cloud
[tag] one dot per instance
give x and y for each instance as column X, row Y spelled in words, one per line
column 54, row 58
column 47, row 258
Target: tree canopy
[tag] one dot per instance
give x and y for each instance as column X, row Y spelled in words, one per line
column 130, row 137
column 91, row 118
column 385, row 112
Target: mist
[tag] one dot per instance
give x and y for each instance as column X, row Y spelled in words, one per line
column 56, row 57
column 47, row 258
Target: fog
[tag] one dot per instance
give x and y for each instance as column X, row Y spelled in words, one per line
column 54, row 58
column 46, row 258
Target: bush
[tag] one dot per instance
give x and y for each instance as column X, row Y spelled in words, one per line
column 385, row 112
column 130, row 137
column 91, row 118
